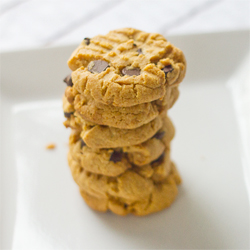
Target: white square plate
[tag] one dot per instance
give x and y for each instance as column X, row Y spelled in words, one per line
column 47, row 212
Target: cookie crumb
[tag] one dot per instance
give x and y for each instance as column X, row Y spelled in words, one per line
column 51, row 146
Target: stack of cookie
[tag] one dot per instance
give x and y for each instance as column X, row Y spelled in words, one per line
column 116, row 104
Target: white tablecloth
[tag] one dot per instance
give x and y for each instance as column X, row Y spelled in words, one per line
column 35, row 24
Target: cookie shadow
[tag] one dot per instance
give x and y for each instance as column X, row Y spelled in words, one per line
column 184, row 225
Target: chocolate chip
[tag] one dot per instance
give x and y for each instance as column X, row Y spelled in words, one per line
column 68, row 80
column 159, row 135
column 139, row 51
column 167, row 69
column 159, row 160
column 87, row 40
column 131, row 71
column 125, row 205
column 68, row 114
column 82, row 143
column 98, row 66
column 116, row 156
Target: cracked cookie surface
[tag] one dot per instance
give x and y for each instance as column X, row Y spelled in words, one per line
column 119, row 117
column 97, row 136
column 132, row 193
column 109, row 137
column 113, row 162
column 126, row 67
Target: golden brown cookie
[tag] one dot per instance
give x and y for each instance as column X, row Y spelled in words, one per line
column 106, row 162
column 119, row 117
column 126, row 67
column 169, row 99
column 68, row 108
column 74, row 121
column 113, row 162
column 133, row 184
column 161, row 195
column 97, row 136
column 144, row 153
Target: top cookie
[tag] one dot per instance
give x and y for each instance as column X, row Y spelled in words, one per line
column 126, row 67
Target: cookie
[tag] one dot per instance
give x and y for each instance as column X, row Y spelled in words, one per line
column 74, row 121
column 148, row 151
column 131, row 185
column 161, row 195
column 106, row 162
column 68, row 108
column 174, row 95
column 126, row 67
column 144, row 153
column 119, row 117
column 113, row 162
column 169, row 99
column 97, row 136
column 167, row 130
column 161, row 167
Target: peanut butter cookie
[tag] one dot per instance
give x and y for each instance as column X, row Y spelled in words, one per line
column 126, row 67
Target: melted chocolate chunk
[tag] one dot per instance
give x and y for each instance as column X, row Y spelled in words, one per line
column 82, row 143
column 159, row 160
column 68, row 80
column 98, row 66
column 116, row 156
column 139, row 51
column 68, row 114
column 167, row 69
column 131, row 71
column 87, row 40
column 159, row 135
